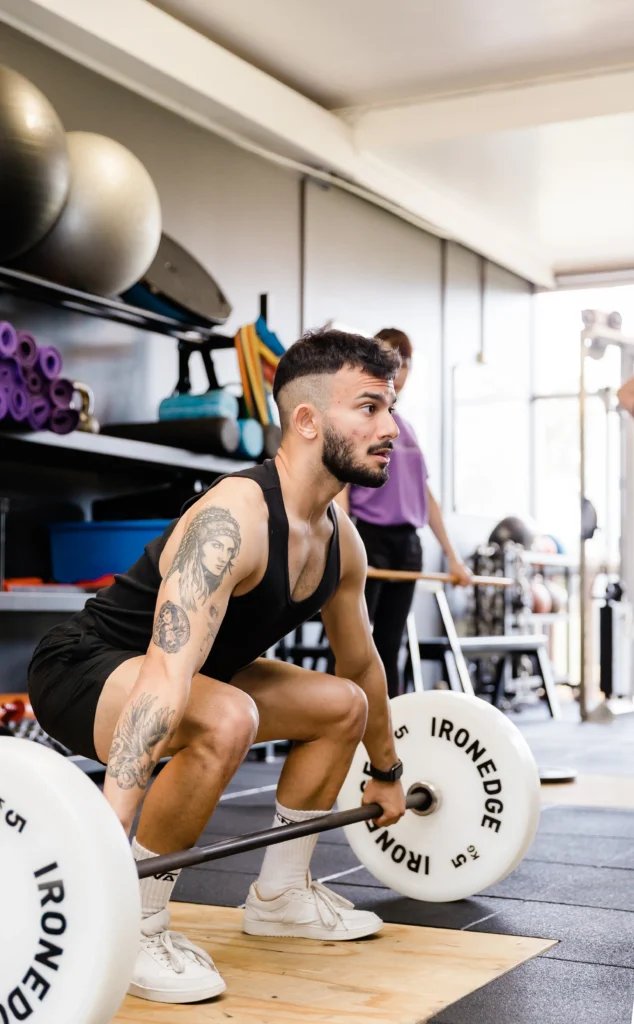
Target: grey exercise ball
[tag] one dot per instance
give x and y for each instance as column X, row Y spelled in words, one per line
column 34, row 168
column 109, row 230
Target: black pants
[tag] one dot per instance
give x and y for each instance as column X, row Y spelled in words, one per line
column 390, row 547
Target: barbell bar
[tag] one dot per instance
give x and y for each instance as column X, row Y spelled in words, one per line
column 71, row 900
column 420, row 800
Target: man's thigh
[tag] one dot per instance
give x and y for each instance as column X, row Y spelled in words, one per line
column 209, row 705
column 294, row 703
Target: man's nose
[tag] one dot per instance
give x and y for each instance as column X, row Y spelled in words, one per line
column 390, row 427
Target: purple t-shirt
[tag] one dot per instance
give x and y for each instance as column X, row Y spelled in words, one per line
column 403, row 499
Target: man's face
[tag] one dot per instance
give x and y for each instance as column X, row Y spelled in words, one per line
column 217, row 554
column 359, row 428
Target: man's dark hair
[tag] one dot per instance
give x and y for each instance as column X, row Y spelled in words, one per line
column 326, row 351
column 397, row 339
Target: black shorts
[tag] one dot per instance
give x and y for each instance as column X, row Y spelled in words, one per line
column 67, row 673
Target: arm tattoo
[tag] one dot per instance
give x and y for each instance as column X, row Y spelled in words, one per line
column 206, row 554
column 212, row 628
column 131, row 760
column 171, row 629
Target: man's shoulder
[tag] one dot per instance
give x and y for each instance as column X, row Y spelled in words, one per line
column 240, row 497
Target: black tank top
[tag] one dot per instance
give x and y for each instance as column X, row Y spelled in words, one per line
column 123, row 614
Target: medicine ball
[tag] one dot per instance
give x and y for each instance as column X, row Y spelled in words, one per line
column 34, row 166
column 512, row 529
column 110, row 228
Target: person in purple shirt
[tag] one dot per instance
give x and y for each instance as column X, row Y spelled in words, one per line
column 388, row 519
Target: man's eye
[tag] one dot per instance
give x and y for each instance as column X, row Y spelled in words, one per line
column 371, row 408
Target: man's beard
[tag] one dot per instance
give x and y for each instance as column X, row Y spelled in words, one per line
column 338, row 458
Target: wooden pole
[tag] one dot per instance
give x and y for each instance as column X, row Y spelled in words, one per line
column 403, row 576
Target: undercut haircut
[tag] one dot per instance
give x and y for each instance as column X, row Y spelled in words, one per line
column 303, row 370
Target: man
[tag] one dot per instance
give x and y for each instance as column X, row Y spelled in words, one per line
column 168, row 660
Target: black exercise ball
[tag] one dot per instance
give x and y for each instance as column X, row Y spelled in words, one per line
column 34, row 166
column 513, row 529
column 109, row 230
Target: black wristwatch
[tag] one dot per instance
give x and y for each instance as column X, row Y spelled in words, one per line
column 393, row 774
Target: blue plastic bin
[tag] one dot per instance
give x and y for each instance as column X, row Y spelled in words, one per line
column 86, row 551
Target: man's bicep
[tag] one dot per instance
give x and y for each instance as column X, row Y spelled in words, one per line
column 209, row 561
column 345, row 619
column 208, row 553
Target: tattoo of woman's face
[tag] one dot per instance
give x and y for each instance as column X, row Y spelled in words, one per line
column 207, row 552
column 171, row 628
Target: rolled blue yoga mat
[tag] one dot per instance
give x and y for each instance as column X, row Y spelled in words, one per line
column 190, row 407
column 251, row 438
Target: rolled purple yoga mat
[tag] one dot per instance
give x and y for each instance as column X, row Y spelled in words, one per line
column 10, row 373
column 4, row 405
column 18, row 402
column 49, row 362
column 39, row 412
column 63, row 421
column 60, row 392
column 26, row 353
column 8, row 339
column 34, row 381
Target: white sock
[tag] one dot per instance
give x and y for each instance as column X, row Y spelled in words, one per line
column 285, row 866
column 156, row 890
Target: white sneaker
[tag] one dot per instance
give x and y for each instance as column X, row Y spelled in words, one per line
column 169, row 968
column 311, row 913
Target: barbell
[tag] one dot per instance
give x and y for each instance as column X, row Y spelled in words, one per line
column 71, row 905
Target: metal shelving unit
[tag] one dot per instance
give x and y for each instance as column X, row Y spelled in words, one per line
column 43, row 601
column 28, row 286
column 86, row 448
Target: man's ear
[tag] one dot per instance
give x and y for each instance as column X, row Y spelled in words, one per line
column 306, row 419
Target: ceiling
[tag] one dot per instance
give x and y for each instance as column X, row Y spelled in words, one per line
column 506, row 125
column 567, row 186
column 352, row 52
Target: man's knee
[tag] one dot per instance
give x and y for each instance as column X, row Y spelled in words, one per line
column 349, row 707
column 226, row 727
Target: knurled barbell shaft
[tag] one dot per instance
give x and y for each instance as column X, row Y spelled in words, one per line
column 419, row 800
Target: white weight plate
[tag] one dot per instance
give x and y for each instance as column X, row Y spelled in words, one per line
column 70, row 893
column 488, row 787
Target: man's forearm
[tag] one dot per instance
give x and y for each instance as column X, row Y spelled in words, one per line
column 378, row 739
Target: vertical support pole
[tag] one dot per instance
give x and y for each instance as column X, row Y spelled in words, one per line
column 583, row 624
column 414, row 653
column 454, row 643
column 4, row 512
column 626, row 539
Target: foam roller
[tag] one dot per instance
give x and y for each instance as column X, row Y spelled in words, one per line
column 251, row 438
column 189, row 407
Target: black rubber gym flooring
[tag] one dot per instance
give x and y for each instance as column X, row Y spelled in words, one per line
column 576, row 885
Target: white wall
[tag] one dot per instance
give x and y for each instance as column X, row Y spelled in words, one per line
column 370, row 270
